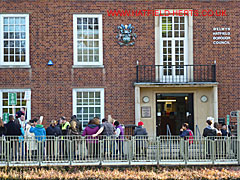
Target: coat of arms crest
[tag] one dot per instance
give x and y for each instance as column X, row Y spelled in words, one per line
column 126, row 36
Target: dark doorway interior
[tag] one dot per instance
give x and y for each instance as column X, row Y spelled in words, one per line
column 173, row 110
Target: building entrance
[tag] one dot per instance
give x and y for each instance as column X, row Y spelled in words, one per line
column 172, row 111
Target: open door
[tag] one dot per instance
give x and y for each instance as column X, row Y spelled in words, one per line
column 173, row 110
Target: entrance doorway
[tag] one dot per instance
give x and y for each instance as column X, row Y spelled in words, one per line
column 173, row 110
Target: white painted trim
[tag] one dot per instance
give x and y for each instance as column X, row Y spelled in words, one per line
column 27, row 62
column 100, row 26
column 74, row 95
column 16, row 90
column 137, row 105
column 215, row 102
column 188, row 50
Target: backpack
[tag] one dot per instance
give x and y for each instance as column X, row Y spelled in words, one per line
column 190, row 136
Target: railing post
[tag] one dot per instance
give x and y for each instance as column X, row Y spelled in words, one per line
column 130, row 150
column 213, row 150
column 238, row 150
column 158, row 151
column 101, row 151
column 8, row 152
column 70, row 149
column 214, row 73
column 38, row 152
column 186, row 151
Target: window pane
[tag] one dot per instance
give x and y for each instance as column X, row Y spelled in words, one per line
column 97, row 110
column 97, row 94
column 20, row 102
column 88, row 29
column 90, row 106
column 14, row 28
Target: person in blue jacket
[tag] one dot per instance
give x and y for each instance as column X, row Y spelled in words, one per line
column 40, row 135
column 185, row 131
column 39, row 132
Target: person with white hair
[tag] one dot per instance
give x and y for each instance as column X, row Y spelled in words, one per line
column 209, row 130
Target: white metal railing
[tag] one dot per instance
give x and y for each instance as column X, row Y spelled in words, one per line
column 125, row 150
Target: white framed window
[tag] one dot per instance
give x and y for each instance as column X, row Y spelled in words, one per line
column 174, row 45
column 21, row 102
column 14, row 39
column 87, row 104
column 87, row 39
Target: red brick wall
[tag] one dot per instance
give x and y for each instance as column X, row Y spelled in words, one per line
column 51, row 37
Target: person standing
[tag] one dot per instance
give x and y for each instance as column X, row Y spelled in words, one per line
column 141, row 137
column 31, row 141
column 63, row 144
column 224, row 131
column 21, row 112
column 39, row 131
column 64, row 126
column 73, row 129
column 120, row 137
column 21, row 121
column 92, row 142
column 209, row 130
column 3, row 131
column 13, row 132
column 40, row 135
column 217, row 128
column 107, row 131
column 78, row 124
column 53, row 129
column 186, row 132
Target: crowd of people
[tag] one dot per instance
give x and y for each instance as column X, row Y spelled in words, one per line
column 94, row 131
column 35, row 131
column 212, row 129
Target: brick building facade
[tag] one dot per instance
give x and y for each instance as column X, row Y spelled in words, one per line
column 51, row 37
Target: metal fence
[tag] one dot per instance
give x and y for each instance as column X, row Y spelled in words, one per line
column 125, row 150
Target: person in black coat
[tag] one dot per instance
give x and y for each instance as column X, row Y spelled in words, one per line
column 209, row 130
column 13, row 129
column 53, row 129
column 141, row 139
column 3, row 129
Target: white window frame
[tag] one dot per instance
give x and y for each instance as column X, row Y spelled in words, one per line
column 102, row 100
column 2, row 63
column 173, row 39
column 188, row 52
column 75, row 61
column 15, row 91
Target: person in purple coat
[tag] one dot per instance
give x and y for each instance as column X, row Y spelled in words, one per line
column 92, row 142
column 120, row 137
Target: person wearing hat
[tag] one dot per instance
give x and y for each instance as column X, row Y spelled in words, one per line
column 64, row 125
column 139, row 130
column 141, row 139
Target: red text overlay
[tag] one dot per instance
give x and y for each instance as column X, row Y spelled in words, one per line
column 204, row 12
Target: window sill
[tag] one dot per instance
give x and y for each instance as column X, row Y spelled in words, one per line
column 87, row 66
column 15, row 66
